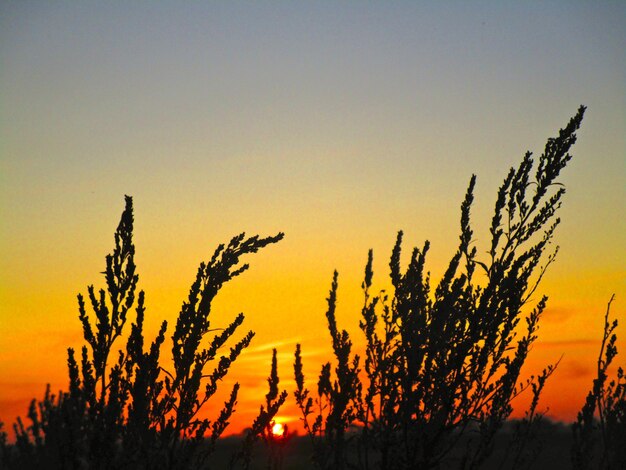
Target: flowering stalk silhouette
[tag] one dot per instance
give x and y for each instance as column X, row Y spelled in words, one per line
column 441, row 363
column 599, row 443
column 133, row 411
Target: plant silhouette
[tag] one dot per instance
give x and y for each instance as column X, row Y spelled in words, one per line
column 135, row 413
column 432, row 388
column 601, row 441
column 262, row 426
column 442, row 366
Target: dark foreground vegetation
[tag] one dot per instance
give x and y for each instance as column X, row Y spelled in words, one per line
column 432, row 389
column 553, row 454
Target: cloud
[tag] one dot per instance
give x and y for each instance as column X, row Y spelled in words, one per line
column 568, row 343
column 556, row 314
column 262, row 354
column 272, row 345
column 577, row 370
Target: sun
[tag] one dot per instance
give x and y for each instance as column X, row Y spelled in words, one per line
column 278, row 430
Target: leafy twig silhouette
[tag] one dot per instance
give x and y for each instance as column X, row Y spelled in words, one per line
column 444, row 366
column 135, row 413
column 262, row 425
column 432, row 388
column 607, row 400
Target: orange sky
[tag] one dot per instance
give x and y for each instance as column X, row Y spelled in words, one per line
column 338, row 125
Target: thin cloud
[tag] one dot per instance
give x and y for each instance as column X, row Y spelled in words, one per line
column 264, row 356
column 272, row 345
column 577, row 370
column 568, row 343
column 557, row 315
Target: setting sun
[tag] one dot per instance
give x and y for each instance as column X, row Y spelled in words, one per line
column 278, row 430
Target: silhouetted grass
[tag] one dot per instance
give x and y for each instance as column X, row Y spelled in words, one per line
column 600, row 428
column 130, row 411
column 442, row 366
column 432, row 390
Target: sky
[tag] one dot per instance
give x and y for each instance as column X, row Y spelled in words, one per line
column 338, row 123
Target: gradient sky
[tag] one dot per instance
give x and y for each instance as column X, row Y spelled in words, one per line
column 338, row 124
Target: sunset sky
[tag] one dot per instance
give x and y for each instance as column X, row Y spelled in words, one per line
column 337, row 123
